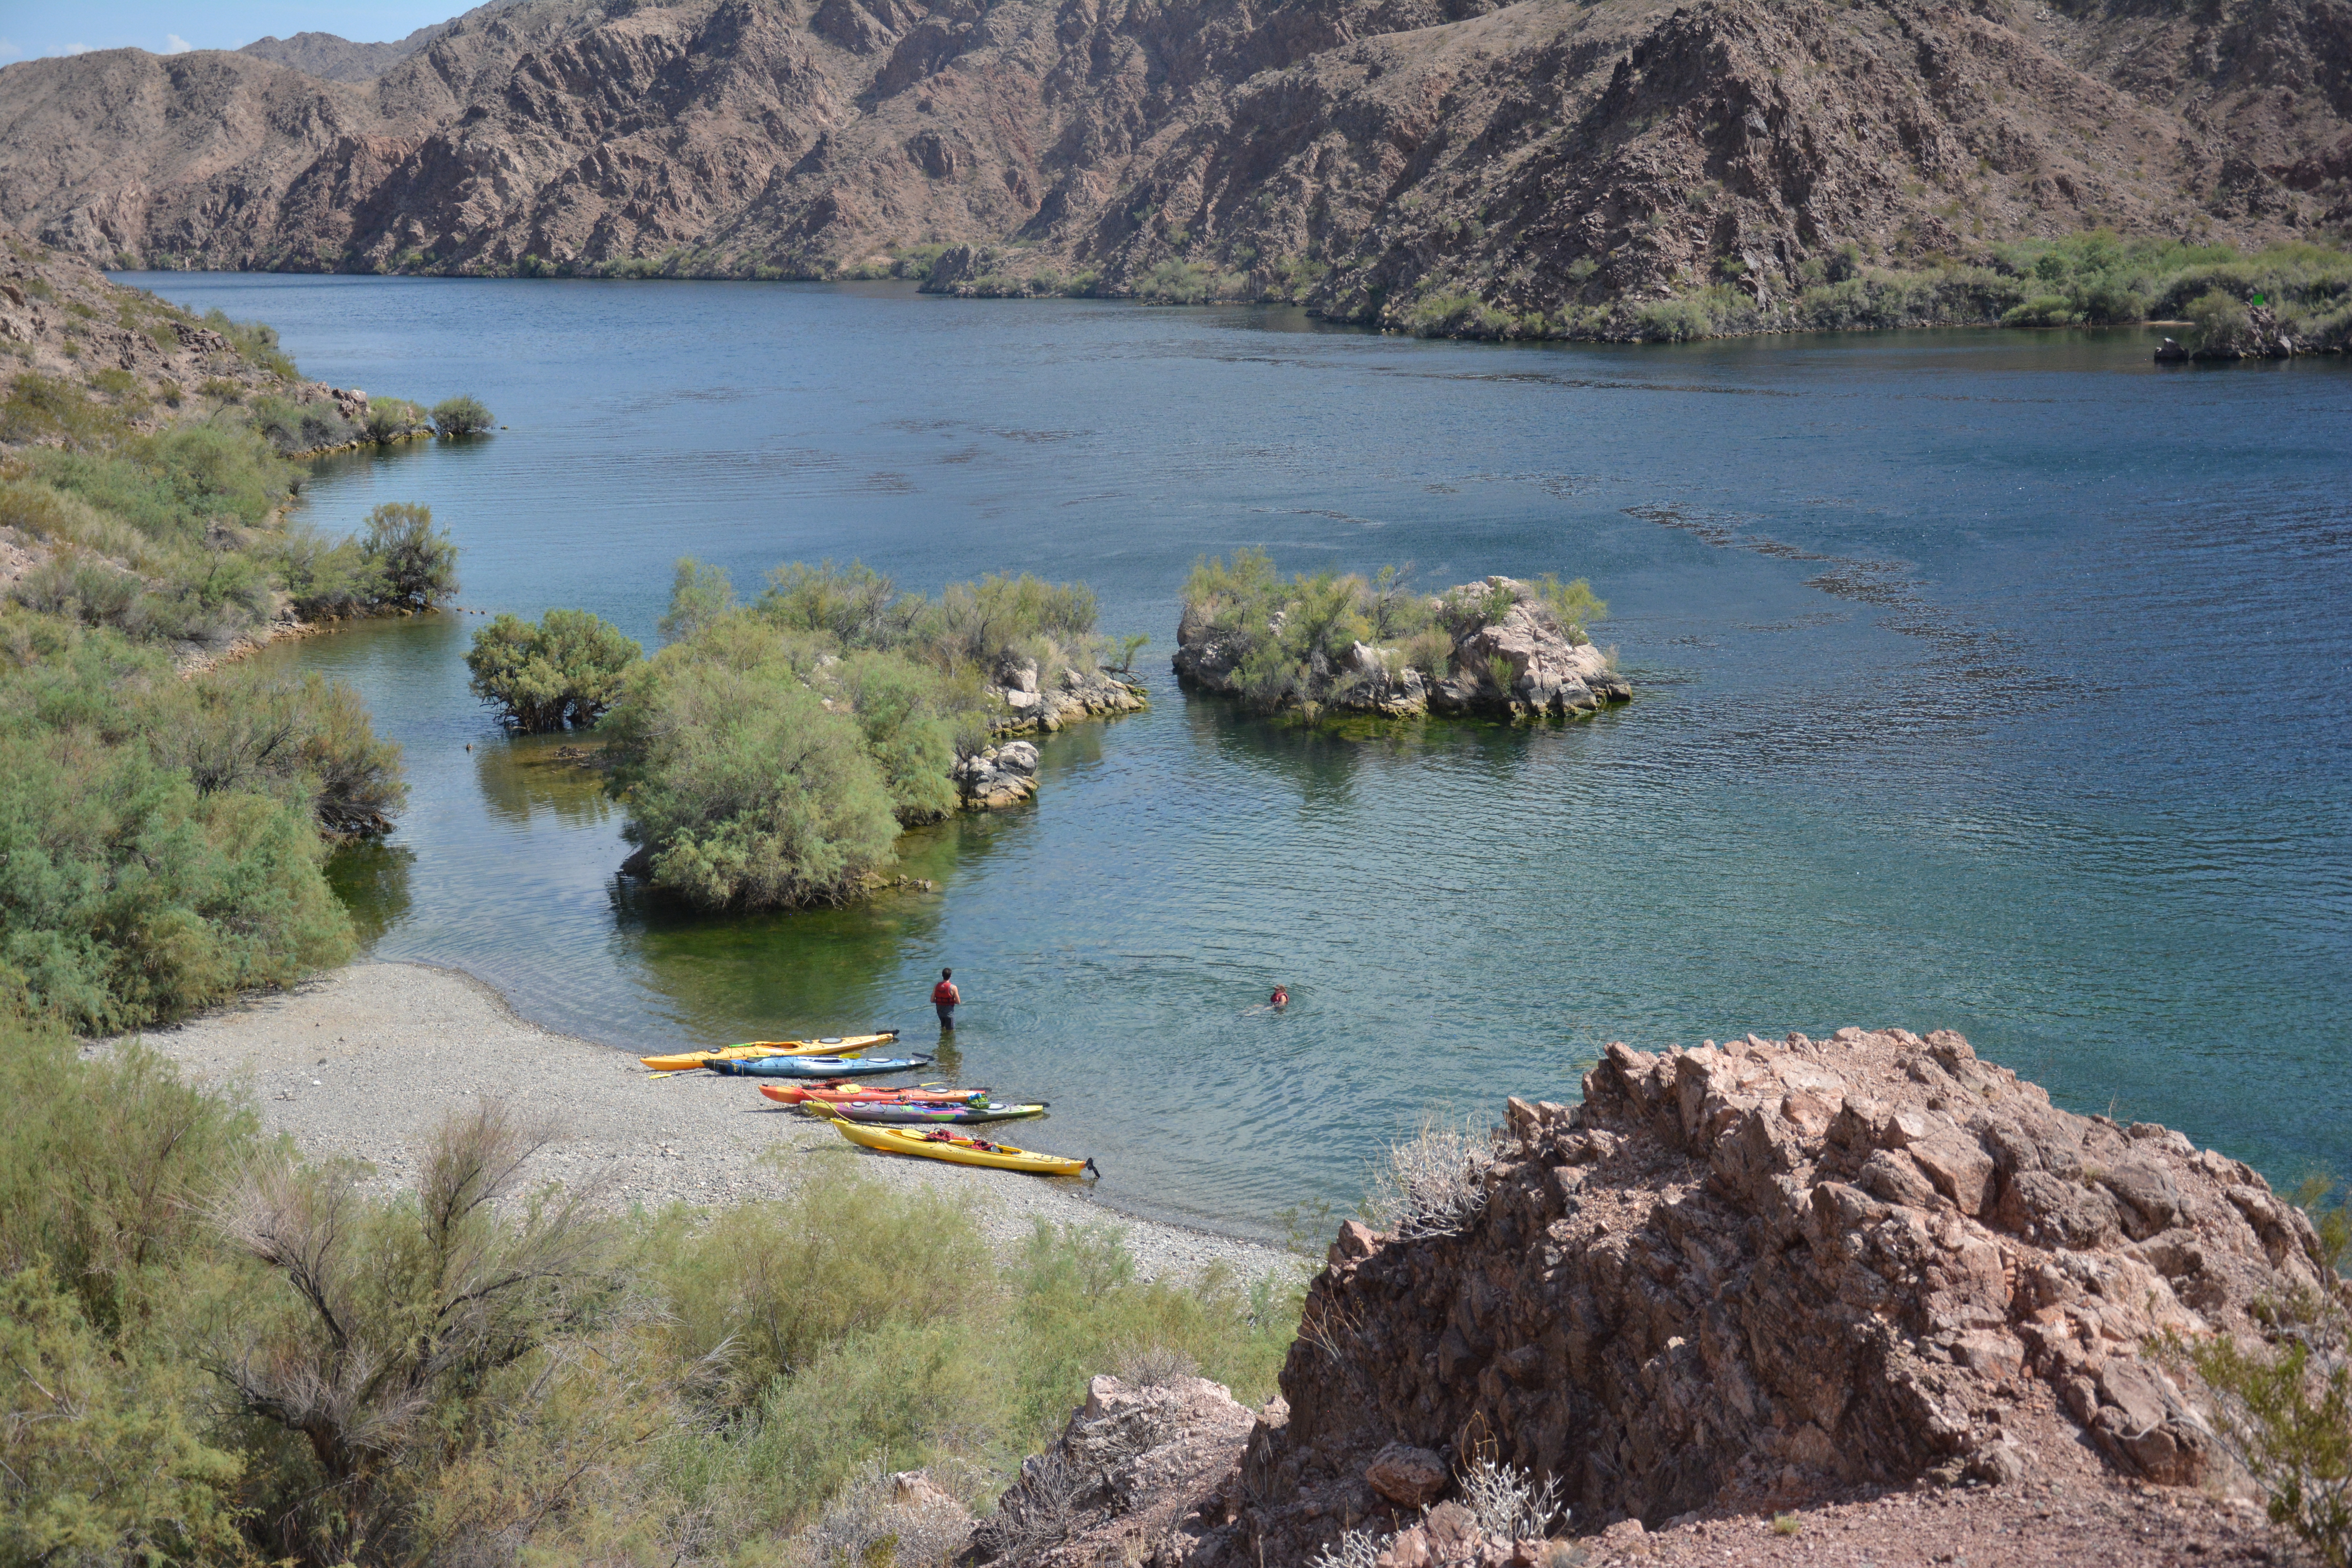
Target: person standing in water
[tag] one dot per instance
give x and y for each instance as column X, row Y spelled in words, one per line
column 944, row 997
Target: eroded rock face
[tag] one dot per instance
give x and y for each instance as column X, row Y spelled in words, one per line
column 1129, row 1479
column 1523, row 664
column 1753, row 1274
column 1031, row 706
column 1368, row 158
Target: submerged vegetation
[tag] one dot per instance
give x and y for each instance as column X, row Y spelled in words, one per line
column 770, row 755
column 161, row 838
column 214, row 1354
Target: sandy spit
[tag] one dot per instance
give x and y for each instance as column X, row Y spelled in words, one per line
column 365, row 1061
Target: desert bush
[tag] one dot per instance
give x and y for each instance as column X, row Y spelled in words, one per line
column 781, row 1283
column 413, row 565
column 567, row 669
column 1354, row 1548
column 2284, row 1406
column 392, row 1317
column 102, row 1461
column 461, row 416
column 2225, row 328
column 700, row 595
column 910, row 740
column 307, row 740
column 390, row 419
column 1431, row 1184
column 867, row 1521
column 1154, row 1366
column 1574, row 603
column 1179, row 282
column 745, row 790
column 254, row 342
column 160, row 838
column 1507, row 1503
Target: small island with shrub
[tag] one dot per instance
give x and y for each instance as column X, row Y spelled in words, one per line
column 1328, row 645
column 771, row 753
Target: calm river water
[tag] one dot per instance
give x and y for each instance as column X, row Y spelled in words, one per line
column 1986, row 682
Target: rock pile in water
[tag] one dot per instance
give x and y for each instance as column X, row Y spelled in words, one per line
column 1525, row 664
column 1070, row 696
column 1764, row 1276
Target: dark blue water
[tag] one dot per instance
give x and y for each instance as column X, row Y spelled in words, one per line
column 1987, row 682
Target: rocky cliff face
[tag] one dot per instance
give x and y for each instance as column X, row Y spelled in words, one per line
column 1360, row 155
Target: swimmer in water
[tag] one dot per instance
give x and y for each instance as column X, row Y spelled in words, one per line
column 1279, row 1000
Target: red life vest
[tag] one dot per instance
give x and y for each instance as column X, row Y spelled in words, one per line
column 943, row 995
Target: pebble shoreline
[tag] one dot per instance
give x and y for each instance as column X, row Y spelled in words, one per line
column 365, row 1061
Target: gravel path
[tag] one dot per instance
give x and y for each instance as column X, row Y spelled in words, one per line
column 365, row 1061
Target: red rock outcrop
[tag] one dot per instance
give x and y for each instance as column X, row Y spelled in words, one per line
column 1764, row 1275
column 1366, row 157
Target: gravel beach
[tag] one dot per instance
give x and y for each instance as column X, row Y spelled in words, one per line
column 365, row 1061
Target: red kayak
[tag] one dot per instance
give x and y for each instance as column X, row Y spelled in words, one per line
column 834, row 1091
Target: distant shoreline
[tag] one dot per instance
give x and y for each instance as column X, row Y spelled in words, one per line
column 364, row 1061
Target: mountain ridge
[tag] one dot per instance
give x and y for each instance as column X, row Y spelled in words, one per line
column 1358, row 156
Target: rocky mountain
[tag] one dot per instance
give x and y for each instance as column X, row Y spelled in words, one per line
column 1360, row 155
column 333, row 58
column 1820, row 1278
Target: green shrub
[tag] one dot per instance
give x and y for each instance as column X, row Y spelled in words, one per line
column 413, row 565
column 297, row 427
column 390, row 419
column 461, row 416
column 2225, row 328
column 161, row 837
column 2285, row 1409
column 700, row 595
column 911, row 740
column 567, row 669
column 744, row 789
column 254, row 342
column 783, row 1281
column 393, row 1322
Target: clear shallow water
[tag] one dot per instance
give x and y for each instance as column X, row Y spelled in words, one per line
column 1986, row 682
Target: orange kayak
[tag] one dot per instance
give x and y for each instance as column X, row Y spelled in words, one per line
column 834, row 1091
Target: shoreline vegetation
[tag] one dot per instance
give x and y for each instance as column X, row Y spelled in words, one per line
column 2093, row 278
column 430, row 1326
column 165, row 813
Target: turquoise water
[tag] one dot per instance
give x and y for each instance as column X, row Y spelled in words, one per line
column 1986, row 682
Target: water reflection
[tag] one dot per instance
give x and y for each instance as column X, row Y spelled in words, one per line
column 519, row 774
column 372, row 878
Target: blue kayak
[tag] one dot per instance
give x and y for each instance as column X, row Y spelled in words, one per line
column 818, row 1066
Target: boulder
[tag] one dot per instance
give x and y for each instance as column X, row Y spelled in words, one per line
column 1406, row 1476
column 1765, row 1273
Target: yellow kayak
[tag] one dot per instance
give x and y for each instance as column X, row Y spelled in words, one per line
column 938, row 1143
column 752, row 1050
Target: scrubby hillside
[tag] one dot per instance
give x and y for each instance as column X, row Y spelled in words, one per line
column 162, row 838
column 1447, row 166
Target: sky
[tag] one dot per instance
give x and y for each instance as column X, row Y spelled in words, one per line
column 31, row 28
